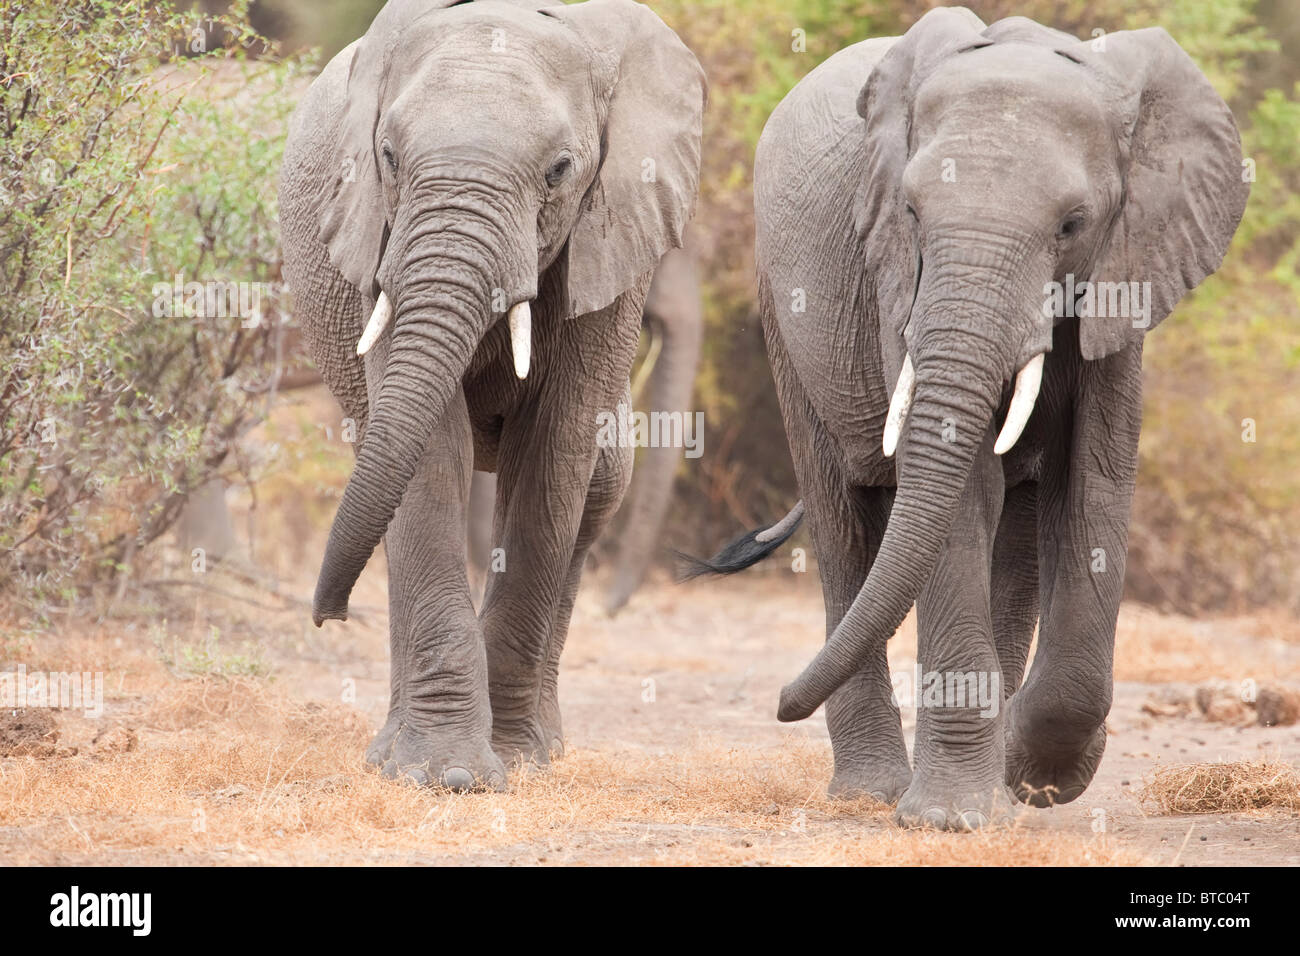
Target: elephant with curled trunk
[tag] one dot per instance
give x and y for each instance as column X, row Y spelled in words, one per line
column 930, row 210
column 474, row 198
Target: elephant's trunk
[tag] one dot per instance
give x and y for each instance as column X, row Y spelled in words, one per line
column 963, row 355
column 442, row 310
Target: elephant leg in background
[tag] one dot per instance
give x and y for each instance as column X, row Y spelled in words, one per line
column 675, row 321
column 1056, row 723
column 847, row 524
column 547, row 467
column 1014, row 582
column 439, row 723
column 958, row 756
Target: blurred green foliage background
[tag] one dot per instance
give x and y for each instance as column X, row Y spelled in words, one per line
column 1214, row 517
column 115, row 178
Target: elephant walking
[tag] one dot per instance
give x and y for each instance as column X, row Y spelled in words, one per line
column 493, row 184
column 983, row 223
column 674, row 322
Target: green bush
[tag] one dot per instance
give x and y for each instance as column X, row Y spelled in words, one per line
column 138, row 143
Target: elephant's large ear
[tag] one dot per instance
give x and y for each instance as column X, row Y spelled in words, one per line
column 885, row 102
column 1184, row 192
column 352, row 219
column 645, row 190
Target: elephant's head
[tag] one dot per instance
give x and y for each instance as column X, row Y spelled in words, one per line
column 1000, row 161
column 483, row 144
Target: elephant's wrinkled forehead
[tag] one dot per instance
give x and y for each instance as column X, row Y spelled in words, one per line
column 1010, row 120
column 489, row 37
column 489, row 78
column 1015, row 91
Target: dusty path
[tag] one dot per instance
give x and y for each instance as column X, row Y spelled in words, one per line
column 718, row 653
column 674, row 752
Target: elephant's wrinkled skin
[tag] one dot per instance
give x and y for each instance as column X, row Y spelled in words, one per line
column 924, row 214
column 456, row 162
column 674, row 322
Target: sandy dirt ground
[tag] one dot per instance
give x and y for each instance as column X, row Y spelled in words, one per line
column 244, row 746
column 232, row 730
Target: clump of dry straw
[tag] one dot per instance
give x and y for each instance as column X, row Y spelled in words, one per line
column 1223, row 787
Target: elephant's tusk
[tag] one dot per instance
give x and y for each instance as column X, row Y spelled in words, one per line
column 375, row 327
column 521, row 336
column 1028, row 381
column 898, row 407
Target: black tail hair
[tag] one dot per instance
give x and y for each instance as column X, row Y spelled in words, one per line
column 738, row 555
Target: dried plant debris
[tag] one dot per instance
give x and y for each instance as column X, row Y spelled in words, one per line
column 1223, row 787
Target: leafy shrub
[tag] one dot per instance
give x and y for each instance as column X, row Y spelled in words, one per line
column 138, row 151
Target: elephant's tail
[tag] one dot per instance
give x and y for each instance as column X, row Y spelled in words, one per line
column 750, row 548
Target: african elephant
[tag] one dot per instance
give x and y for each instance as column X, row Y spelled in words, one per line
column 928, row 209
column 492, row 184
column 674, row 322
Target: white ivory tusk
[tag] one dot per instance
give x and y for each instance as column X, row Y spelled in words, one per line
column 378, row 322
column 1028, row 380
column 898, row 406
column 521, row 336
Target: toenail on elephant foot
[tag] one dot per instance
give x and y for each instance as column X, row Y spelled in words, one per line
column 431, row 760
column 457, row 778
column 1047, row 779
column 926, row 808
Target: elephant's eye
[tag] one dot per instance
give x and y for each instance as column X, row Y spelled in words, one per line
column 559, row 171
column 389, row 158
column 1070, row 226
column 912, row 212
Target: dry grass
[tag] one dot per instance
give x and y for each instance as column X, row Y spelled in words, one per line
column 1155, row 647
column 236, row 770
column 1223, row 787
column 232, row 770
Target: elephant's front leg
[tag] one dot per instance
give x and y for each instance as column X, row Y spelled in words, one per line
column 847, row 523
column 439, row 723
column 556, row 489
column 958, row 756
column 609, row 483
column 1056, row 729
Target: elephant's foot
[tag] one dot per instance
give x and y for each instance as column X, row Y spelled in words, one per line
column 940, row 805
column 1044, row 778
column 883, row 780
column 434, row 758
column 382, row 746
column 526, row 725
column 527, row 741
